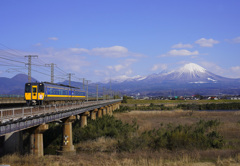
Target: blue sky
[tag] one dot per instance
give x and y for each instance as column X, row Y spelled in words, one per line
column 119, row 39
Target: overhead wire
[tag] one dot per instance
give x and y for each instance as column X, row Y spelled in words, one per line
column 17, row 53
column 6, row 61
column 12, row 60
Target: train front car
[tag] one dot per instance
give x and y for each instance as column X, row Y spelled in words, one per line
column 34, row 93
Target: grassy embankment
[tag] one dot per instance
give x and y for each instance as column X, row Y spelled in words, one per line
column 149, row 138
column 132, row 104
column 133, row 101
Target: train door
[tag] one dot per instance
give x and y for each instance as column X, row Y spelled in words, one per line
column 34, row 92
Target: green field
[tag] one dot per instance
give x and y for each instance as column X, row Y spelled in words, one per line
column 134, row 101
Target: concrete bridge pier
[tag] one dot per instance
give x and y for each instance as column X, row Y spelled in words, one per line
column 118, row 105
column 93, row 114
column 111, row 110
column 100, row 112
column 108, row 110
column 84, row 119
column 11, row 143
column 36, row 140
column 114, row 107
column 67, row 147
column 104, row 111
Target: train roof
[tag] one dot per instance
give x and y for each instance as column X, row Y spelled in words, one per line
column 60, row 85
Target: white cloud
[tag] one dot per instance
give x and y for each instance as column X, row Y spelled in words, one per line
column 53, row 38
column 128, row 72
column 128, row 62
column 159, row 66
column 117, row 68
column 182, row 52
column 123, row 67
column 121, row 78
column 232, row 72
column 236, row 71
column 206, row 42
column 38, row 45
column 115, row 51
column 235, row 40
column 235, row 68
column 212, row 67
column 180, row 45
column 109, row 52
column 79, row 50
column 66, row 59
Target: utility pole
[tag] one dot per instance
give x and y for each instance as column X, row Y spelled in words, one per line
column 103, row 94
column 83, row 83
column 87, row 89
column 97, row 92
column 110, row 86
column 69, row 77
column 30, row 66
column 52, row 71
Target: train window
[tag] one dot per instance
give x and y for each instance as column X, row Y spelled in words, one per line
column 41, row 88
column 51, row 91
column 28, row 88
column 34, row 90
column 48, row 91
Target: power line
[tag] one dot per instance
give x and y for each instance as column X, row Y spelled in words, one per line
column 11, row 49
column 12, row 60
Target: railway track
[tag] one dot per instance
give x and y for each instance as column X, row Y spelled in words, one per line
column 14, row 113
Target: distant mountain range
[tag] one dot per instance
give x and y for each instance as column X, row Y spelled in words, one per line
column 14, row 85
column 189, row 80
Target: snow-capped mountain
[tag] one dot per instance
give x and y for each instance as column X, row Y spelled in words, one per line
column 193, row 73
column 191, row 77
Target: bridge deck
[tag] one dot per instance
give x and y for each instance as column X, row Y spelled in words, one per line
column 16, row 119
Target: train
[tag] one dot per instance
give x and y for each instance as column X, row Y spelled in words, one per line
column 41, row 93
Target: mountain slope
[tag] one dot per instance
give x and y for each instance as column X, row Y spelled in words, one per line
column 189, row 79
column 14, row 85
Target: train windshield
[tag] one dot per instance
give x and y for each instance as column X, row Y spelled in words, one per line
column 40, row 88
column 28, row 88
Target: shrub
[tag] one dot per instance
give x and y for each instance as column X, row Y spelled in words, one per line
column 122, row 109
column 106, row 126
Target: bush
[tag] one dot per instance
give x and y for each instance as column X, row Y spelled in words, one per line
column 201, row 135
column 106, row 126
column 212, row 106
column 196, row 136
column 122, row 109
column 124, row 99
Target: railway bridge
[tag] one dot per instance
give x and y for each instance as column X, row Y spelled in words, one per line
column 35, row 120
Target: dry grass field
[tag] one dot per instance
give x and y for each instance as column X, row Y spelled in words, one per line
column 229, row 127
column 154, row 119
column 102, row 151
column 114, row 159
